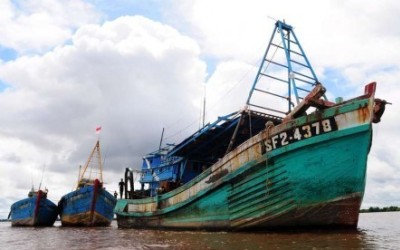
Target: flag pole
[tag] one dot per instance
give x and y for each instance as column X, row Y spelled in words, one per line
column 98, row 130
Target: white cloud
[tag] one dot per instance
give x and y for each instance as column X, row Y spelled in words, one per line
column 224, row 89
column 132, row 76
column 39, row 25
column 333, row 34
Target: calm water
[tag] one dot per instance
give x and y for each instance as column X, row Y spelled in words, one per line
column 376, row 231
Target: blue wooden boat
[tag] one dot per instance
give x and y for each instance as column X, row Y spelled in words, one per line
column 90, row 204
column 290, row 159
column 36, row 210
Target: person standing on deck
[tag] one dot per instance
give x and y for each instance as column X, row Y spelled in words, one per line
column 121, row 187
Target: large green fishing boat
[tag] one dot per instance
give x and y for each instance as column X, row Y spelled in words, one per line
column 289, row 159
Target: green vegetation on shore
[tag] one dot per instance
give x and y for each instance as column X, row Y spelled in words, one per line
column 378, row 209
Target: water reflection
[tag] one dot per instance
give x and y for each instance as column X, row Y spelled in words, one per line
column 376, row 231
column 265, row 240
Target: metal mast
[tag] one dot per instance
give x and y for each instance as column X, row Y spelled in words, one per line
column 285, row 75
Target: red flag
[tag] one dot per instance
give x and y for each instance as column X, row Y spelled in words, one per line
column 98, row 129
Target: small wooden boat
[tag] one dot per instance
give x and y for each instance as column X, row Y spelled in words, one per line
column 90, row 204
column 36, row 210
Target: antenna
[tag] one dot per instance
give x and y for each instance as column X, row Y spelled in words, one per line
column 32, row 179
column 79, row 175
column 204, row 106
column 40, row 184
column 105, row 154
column 162, row 135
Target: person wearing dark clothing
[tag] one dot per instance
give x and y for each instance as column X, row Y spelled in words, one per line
column 121, row 187
column 115, row 195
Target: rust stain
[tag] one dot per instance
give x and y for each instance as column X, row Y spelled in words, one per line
column 85, row 219
column 217, row 176
column 363, row 114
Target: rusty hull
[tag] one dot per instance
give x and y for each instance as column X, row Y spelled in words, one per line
column 315, row 181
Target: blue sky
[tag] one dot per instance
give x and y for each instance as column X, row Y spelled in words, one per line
column 112, row 10
column 135, row 67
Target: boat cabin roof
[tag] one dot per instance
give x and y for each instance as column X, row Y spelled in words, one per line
column 213, row 140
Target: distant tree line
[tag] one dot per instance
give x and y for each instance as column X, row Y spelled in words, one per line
column 378, row 209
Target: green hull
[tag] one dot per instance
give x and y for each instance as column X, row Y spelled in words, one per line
column 265, row 167
column 317, row 181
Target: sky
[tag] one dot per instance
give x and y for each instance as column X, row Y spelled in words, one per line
column 135, row 67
